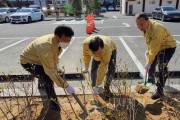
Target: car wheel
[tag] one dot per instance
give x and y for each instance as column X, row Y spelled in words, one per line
column 162, row 18
column 29, row 20
column 42, row 17
column 152, row 16
column 7, row 20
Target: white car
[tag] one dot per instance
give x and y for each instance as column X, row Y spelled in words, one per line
column 27, row 15
column 5, row 12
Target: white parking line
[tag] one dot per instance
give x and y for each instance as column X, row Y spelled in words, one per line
column 114, row 17
column 177, row 41
column 132, row 55
column 4, row 48
column 123, row 25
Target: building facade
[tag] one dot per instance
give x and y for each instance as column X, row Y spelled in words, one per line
column 41, row 3
column 131, row 7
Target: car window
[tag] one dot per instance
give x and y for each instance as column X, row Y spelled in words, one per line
column 168, row 8
column 24, row 10
column 36, row 10
column 12, row 10
column 3, row 10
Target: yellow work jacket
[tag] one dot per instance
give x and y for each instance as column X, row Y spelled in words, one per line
column 44, row 51
column 157, row 38
column 109, row 46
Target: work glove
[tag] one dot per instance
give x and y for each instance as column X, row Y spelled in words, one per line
column 60, row 72
column 70, row 90
column 147, row 67
column 85, row 71
column 146, row 53
column 96, row 90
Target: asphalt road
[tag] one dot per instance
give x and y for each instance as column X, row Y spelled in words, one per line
column 122, row 29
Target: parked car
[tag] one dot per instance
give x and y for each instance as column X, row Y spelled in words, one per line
column 26, row 15
column 110, row 8
column 35, row 6
column 166, row 13
column 5, row 12
column 103, row 9
column 117, row 7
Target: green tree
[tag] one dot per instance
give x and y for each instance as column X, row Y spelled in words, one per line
column 68, row 8
column 77, row 6
column 96, row 4
column 89, row 6
column 3, row 3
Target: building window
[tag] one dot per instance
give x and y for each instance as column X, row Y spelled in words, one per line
column 169, row 2
column 57, row 2
column 49, row 2
column 152, row 2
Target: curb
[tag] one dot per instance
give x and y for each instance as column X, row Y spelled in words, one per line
column 76, row 76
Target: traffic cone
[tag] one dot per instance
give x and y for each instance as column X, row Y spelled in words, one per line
column 93, row 24
column 88, row 25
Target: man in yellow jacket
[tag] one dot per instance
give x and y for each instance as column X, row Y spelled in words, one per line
column 160, row 49
column 40, row 58
column 103, row 51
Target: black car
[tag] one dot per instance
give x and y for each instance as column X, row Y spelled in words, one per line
column 166, row 13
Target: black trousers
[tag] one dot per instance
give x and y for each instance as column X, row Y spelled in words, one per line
column 110, row 73
column 38, row 71
column 162, row 59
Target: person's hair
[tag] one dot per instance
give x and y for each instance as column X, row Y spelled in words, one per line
column 63, row 30
column 95, row 43
column 142, row 15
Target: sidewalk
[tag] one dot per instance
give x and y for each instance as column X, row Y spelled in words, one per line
column 20, row 89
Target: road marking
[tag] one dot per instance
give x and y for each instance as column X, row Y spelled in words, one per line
column 77, row 22
column 177, row 41
column 123, row 25
column 126, row 24
column 135, row 36
column 114, row 17
column 4, row 48
column 132, row 55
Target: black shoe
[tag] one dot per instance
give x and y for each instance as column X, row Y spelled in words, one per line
column 54, row 105
column 157, row 95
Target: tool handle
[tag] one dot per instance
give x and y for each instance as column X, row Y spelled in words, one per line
column 79, row 102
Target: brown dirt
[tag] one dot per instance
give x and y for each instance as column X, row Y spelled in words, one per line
column 141, row 89
column 143, row 106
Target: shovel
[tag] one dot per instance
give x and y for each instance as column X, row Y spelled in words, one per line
column 145, row 86
column 75, row 97
column 80, row 104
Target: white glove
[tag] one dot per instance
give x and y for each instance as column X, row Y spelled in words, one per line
column 146, row 53
column 85, row 71
column 60, row 72
column 96, row 90
column 70, row 90
column 147, row 67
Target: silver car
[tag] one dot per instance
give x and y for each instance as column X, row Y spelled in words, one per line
column 5, row 12
column 27, row 15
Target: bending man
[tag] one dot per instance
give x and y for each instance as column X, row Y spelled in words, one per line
column 103, row 51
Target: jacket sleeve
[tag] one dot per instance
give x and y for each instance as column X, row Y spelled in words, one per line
column 103, row 67
column 47, row 59
column 86, row 56
column 155, row 44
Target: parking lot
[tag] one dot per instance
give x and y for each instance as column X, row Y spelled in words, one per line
column 122, row 29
